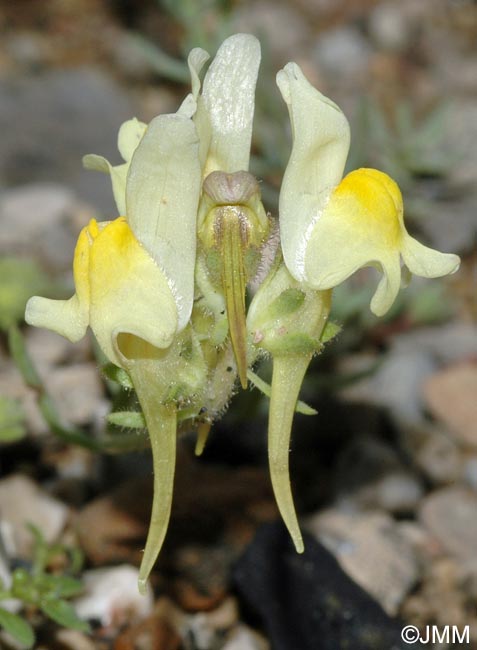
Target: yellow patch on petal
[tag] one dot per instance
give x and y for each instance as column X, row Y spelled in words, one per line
column 371, row 202
column 119, row 289
column 81, row 266
column 129, row 292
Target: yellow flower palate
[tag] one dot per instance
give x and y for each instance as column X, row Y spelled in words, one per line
column 119, row 289
column 362, row 225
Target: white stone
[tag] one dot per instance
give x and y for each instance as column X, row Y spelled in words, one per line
column 23, row 502
column 243, row 638
column 112, row 596
column 29, row 210
column 77, row 392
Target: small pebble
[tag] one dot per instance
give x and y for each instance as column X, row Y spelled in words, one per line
column 23, row 502
column 243, row 638
column 112, row 597
column 450, row 514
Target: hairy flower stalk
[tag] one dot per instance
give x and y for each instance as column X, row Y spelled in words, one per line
column 163, row 286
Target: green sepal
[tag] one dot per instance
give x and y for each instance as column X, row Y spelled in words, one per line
column 127, row 419
column 296, row 343
column 118, row 375
column 330, row 331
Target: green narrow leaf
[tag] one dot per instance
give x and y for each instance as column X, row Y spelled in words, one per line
column 12, row 420
column 22, row 359
column 67, row 433
column 19, row 279
column 163, row 64
column 266, row 389
column 17, row 627
column 59, row 586
column 64, row 614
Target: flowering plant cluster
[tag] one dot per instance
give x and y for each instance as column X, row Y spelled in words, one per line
column 163, row 286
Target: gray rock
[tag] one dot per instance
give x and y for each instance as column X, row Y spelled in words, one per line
column 450, row 397
column 450, row 515
column 396, row 492
column 372, row 550
column 461, row 133
column 452, row 227
column 447, row 343
column 49, row 121
column 49, row 349
column 22, row 502
column 439, row 458
column 35, row 221
column 77, row 391
column 27, row 48
column 13, row 386
column 469, row 472
column 283, row 29
column 390, row 27
column 397, row 385
column 343, row 53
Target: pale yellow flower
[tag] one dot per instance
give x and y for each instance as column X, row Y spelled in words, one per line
column 136, row 276
column 329, row 229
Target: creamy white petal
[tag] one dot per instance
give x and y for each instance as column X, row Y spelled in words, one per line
column 229, row 97
column 69, row 318
column 425, row 261
column 129, row 136
column 320, row 146
column 195, row 61
column 388, row 287
column 162, row 190
column 338, row 247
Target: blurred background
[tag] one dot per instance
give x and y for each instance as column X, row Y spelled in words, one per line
column 384, row 477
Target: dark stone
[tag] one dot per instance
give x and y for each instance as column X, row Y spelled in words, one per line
column 307, row 602
column 49, row 121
